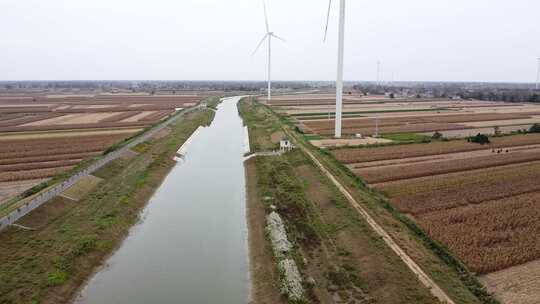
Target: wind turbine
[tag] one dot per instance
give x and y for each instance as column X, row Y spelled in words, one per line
column 538, row 75
column 269, row 35
column 341, row 53
column 378, row 73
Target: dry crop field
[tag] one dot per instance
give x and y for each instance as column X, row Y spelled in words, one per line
column 480, row 201
column 41, row 135
column 41, row 113
column 314, row 115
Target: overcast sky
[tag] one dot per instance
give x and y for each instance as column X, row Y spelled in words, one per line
column 446, row 40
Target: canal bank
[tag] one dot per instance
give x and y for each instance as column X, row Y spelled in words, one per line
column 191, row 244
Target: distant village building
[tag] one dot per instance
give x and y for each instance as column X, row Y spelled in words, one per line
column 285, row 144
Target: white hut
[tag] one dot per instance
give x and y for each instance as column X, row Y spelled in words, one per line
column 285, row 144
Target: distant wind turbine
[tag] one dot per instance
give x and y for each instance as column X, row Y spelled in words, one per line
column 538, row 75
column 378, row 73
column 341, row 51
column 269, row 35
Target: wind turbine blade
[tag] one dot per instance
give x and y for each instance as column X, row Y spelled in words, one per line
column 266, row 16
column 327, row 19
column 259, row 45
column 276, row 36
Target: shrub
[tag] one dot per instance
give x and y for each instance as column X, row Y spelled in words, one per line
column 479, row 139
column 56, row 277
column 437, row 135
column 535, row 128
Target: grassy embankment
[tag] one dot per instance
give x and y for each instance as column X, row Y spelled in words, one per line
column 70, row 240
column 435, row 259
column 333, row 246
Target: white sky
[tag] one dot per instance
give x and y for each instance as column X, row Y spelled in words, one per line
column 446, row 40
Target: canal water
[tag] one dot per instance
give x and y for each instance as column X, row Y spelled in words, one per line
column 191, row 244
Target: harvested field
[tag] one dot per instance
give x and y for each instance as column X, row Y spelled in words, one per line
column 70, row 119
column 11, row 189
column 435, row 193
column 120, row 116
column 60, row 134
column 38, row 165
column 40, row 135
column 491, row 236
column 156, row 116
column 447, row 165
column 42, row 113
column 472, row 132
column 29, row 157
column 350, row 156
column 479, row 201
column 47, row 158
column 504, row 122
column 31, row 174
column 325, row 143
column 516, row 285
column 413, row 123
column 91, row 106
column 139, row 116
column 34, row 147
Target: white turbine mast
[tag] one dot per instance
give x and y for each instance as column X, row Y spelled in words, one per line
column 538, row 75
column 378, row 72
column 269, row 35
column 341, row 51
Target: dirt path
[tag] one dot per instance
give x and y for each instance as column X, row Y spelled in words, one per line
column 422, row 276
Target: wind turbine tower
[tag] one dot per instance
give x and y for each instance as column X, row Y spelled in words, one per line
column 269, row 35
column 538, row 75
column 341, row 53
column 378, row 73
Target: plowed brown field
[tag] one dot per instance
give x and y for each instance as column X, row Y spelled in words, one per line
column 354, row 155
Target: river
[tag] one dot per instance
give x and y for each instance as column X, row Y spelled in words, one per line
column 191, row 243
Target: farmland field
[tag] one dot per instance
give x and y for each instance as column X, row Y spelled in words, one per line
column 479, row 201
column 407, row 151
column 368, row 115
column 41, row 136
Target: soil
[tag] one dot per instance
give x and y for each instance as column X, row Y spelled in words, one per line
column 11, row 189
column 515, row 285
column 51, row 134
column 325, row 143
column 69, row 119
column 139, row 116
column 276, row 137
